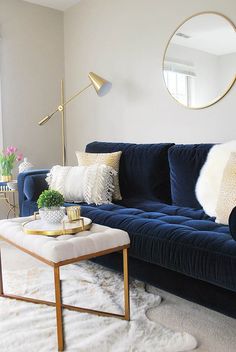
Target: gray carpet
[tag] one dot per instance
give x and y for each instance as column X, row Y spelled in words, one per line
column 214, row 331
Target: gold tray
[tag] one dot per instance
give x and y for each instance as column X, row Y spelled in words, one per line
column 39, row 227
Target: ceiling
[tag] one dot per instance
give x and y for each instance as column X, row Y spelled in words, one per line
column 211, row 33
column 55, row 4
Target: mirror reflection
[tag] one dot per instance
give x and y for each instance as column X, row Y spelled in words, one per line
column 199, row 64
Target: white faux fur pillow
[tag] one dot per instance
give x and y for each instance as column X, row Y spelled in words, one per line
column 90, row 184
column 209, row 181
column 227, row 195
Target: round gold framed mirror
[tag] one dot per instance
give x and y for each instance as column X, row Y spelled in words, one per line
column 199, row 65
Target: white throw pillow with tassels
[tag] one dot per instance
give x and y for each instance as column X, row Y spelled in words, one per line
column 90, row 184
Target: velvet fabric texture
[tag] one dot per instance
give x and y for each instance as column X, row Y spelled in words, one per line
column 179, row 239
column 182, row 239
column 30, row 185
column 186, row 162
column 34, row 185
column 172, row 241
column 232, row 223
column 144, row 168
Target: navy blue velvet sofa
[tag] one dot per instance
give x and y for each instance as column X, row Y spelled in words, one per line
column 174, row 244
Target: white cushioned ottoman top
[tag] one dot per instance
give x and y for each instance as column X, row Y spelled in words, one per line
column 56, row 249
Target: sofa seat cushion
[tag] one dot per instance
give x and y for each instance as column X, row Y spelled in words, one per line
column 180, row 239
column 150, row 205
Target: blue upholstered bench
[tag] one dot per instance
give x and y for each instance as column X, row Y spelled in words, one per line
column 174, row 244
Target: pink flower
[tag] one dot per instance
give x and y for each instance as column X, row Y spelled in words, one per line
column 19, row 157
column 11, row 150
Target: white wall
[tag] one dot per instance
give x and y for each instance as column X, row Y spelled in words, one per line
column 1, row 132
column 31, row 66
column 124, row 41
column 227, row 68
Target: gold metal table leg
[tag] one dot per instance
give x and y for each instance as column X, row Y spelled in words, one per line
column 126, row 284
column 14, row 203
column 1, row 282
column 10, row 202
column 60, row 337
column 58, row 297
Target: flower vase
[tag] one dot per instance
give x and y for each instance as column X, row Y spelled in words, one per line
column 5, row 172
column 25, row 166
column 6, row 178
column 7, row 159
column 52, row 215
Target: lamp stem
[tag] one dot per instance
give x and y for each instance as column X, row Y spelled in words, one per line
column 61, row 107
column 75, row 95
column 63, row 126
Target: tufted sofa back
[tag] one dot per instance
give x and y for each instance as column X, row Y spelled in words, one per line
column 186, row 161
column 165, row 172
column 162, row 172
column 144, row 168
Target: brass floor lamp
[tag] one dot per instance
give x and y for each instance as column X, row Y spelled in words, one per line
column 101, row 86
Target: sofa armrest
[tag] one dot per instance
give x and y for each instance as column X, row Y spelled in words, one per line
column 232, row 223
column 30, row 184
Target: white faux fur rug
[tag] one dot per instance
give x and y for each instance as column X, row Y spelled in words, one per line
column 26, row 327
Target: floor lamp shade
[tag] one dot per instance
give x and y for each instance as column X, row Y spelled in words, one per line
column 101, row 85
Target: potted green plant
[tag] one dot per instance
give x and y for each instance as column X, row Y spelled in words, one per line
column 50, row 204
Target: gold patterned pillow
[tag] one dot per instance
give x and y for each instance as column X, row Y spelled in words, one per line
column 109, row 159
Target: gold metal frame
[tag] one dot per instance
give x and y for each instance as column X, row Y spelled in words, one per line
column 62, row 231
column 58, row 304
column 63, row 141
column 61, row 109
column 163, row 62
column 12, row 206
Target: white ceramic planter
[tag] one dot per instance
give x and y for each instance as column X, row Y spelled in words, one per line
column 52, row 215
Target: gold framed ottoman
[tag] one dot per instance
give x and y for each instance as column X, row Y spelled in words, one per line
column 63, row 250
